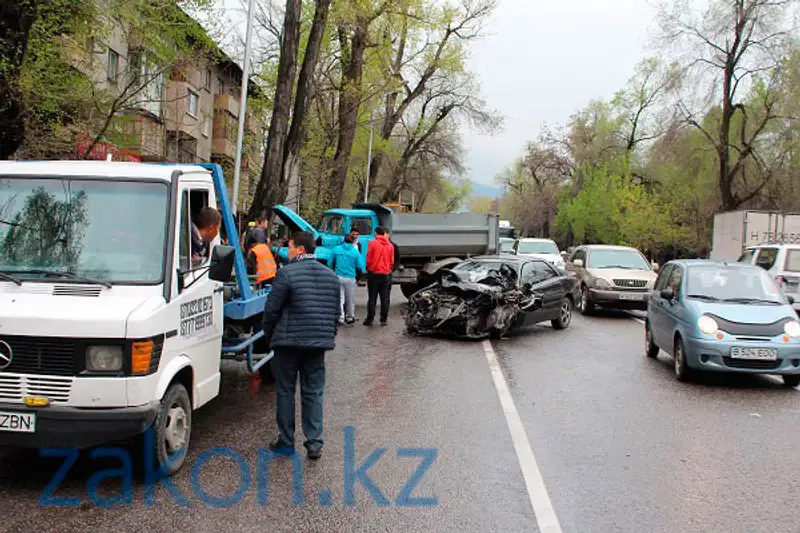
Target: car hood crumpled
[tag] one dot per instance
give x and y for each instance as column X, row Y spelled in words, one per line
column 470, row 309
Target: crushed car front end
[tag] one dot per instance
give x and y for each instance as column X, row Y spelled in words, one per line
column 467, row 309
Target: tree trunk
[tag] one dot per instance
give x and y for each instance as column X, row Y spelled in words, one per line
column 349, row 100
column 723, row 150
column 296, row 137
column 270, row 185
column 16, row 19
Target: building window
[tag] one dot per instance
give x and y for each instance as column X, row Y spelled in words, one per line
column 207, row 80
column 220, row 86
column 113, row 65
column 191, row 102
column 207, row 126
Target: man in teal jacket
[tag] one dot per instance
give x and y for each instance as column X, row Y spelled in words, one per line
column 347, row 262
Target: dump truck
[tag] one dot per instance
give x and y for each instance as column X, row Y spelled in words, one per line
column 734, row 231
column 426, row 242
column 108, row 330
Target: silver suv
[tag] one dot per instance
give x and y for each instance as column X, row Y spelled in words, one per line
column 782, row 261
column 617, row 277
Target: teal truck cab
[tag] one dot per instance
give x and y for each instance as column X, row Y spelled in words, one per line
column 426, row 242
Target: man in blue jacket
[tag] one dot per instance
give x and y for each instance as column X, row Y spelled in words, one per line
column 347, row 262
column 300, row 323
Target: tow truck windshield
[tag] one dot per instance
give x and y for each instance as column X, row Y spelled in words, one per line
column 83, row 230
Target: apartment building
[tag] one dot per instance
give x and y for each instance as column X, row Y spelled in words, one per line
column 186, row 111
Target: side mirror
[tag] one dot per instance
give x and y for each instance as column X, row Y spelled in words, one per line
column 578, row 262
column 668, row 294
column 791, row 299
column 221, row 268
column 656, row 267
column 564, row 256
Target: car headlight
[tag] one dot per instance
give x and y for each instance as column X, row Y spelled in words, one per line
column 707, row 325
column 792, row 329
column 104, row 358
column 601, row 283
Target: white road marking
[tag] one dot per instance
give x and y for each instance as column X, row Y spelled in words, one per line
column 637, row 319
column 546, row 517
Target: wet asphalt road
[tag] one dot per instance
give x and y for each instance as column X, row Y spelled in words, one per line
column 620, row 444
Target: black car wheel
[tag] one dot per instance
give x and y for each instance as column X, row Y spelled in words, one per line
column 587, row 306
column 651, row 350
column 565, row 317
column 682, row 370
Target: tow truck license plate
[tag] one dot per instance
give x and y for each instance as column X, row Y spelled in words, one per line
column 631, row 296
column 18, row 422
column 764, row 354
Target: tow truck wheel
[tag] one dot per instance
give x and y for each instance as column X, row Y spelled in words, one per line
column 173, row 429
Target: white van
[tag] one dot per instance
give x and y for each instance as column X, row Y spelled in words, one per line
column 106, row 328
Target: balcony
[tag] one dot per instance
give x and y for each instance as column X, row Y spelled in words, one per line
column 226, row 102
column 253, row 125
column 223, row 148
column 140, row 135
column 77, row 54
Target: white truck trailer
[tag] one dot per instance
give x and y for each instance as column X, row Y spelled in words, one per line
column 736, row 230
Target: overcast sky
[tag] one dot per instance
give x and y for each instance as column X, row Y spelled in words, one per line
column 544, row 59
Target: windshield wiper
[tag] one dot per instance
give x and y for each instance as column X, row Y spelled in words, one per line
column 68, row 275
column 622, row 267
column 704, row 297
column 751, row 301
column 12, row 279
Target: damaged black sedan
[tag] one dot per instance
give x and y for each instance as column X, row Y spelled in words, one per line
column 491, row 296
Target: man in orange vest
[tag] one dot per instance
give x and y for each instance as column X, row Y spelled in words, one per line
column 261, row 262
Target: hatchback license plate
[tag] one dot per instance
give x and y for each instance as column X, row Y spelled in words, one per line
column 764, row 354
column 628, row 296
column 18, row 422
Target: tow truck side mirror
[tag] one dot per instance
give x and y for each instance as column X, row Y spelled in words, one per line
column 221, row 268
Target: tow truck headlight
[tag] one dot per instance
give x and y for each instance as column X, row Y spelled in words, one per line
column 104, row 358
column 707, row 325
column 792, row 329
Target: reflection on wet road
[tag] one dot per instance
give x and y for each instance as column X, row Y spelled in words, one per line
column 417, row 439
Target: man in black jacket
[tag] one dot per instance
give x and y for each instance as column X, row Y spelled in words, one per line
column 301, row 319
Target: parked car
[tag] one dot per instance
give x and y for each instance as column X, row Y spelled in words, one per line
column 506, row 245
column 489, row 296
column 616, row 277
column 723, row 317
column 782, row 261
column 540, row 248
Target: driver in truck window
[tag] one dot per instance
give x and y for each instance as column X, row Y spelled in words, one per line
column 204, row 230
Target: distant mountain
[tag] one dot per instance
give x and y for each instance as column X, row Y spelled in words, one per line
column 486, row 190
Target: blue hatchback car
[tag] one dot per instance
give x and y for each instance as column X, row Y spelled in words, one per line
column 722, row 317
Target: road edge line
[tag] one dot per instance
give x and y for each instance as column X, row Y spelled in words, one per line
column 544, row 513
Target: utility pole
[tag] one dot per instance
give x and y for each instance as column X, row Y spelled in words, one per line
column 243, row 107
column 369, row 159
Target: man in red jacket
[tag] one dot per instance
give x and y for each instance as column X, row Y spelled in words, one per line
column 380, row 265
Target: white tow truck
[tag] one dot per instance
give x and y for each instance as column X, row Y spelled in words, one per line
column 107, row 329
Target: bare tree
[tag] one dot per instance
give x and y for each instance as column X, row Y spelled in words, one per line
column 736, row 44
column 411, row 70
column 269, row 185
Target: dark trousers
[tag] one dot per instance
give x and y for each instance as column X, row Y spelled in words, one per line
column 310, row 365
column 378, row 285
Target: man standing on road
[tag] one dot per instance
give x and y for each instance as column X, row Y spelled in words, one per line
column 380, row 264
column 347, row 262
column 300, row 324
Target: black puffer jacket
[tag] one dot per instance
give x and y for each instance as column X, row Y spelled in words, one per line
column 303, row 307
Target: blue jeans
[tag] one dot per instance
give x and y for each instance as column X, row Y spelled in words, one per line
column 310, row 365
